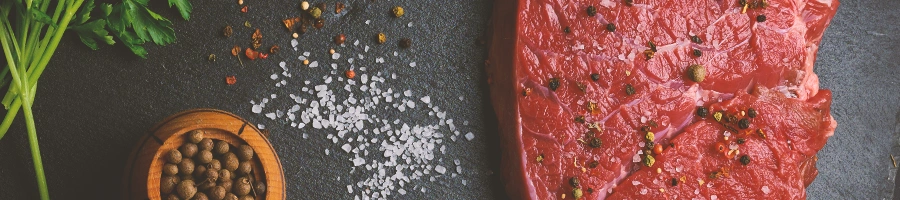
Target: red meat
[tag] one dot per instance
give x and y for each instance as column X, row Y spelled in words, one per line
column 542, row 57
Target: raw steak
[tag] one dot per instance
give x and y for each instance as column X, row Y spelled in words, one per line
column 587, row 110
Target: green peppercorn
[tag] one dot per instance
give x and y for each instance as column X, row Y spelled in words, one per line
column 649, row 137
column 751, row 113
column 648, row 160
column 315, row 12
column 702, row 111
column 696, row 73
column 595, row 142
column 696, row 39
column 611, row 27
column 761, row 18
column 574, row 182
column 554, row 84
column 744, row 123
column 577, row 193
column 745, row 160
column 629, row 90
column 595, row 77
column 697, row 53
column 591, row 11
column 674, row 182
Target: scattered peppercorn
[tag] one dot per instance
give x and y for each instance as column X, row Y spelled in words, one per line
column 751, row 113
column 761, row 18
column 304, row 5
column 652, row 46
column 629, row 2
column 567, row 30
column 645, row 128
column 247, row 24
column 397, row 11
column 595, row 76
column 702, row 111
column 718, row 116
column 582, row 87
column 745, row 160
column 629, row 90
column 579, row 119
column 648, row 160
column 263, row 56
column 696, row 73
column 591, row 11
column 595, row 142
column 593, row 164
column 228, row 31
column 320, row 23
column 256, row 39
column 611, row 27
column 577, row 193
column 761, row 133
column 350, row 74
column 381, row 38
column 697, row 53
column 674, row 182
column 649, row 136
column 744, row 123
column 696, row 39
column 657, row 149
column 554, row 84
column 526, row 92
column 290, row 22
column 405, row 43
column 339, row 39
column 211, row 58
column 251, row 54
column 574, row 182
column 303, row 28
column 315, row 12
column 741, row 140
column 244, row 9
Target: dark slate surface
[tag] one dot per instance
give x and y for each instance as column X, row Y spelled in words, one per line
column 93, row 106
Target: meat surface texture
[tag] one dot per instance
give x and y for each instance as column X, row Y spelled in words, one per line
column 590, row 111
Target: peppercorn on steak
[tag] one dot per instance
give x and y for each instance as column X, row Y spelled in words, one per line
column 674, row 99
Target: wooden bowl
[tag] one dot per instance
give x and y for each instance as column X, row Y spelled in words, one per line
column 144, row 169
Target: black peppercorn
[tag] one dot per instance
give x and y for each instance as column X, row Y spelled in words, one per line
column 674, row 182
column 591, row 11
column 702, row 111
column 761, row 18
column 741, row 140
column 697, row 53
column 745, row 160
column 595, row 77
column 574, row 182
column 751, row 113
column 611, row 27
column 696, row 39
column 744, row 123
column 554, row 84
column 405, row 43
column 595, row 142
column 593, row 164
column 629, row 90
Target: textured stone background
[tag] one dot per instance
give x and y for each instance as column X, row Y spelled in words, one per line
column 93, row 106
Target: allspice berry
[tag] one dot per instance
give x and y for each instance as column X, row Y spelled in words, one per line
column 221, row 147
column 696, row 73
column 225, row 174
column 205, row 144
column 230, row 196
column 260, row 188
column 206, row 186
column 211, row 176
column 244, row 168
column 167, row 184
column 405, row 43
column 172, row 196
column 245, row 152
column 241, row 186
column 230, row 161
column 188, row 150
column 170, row 169
column 186, row 167
column 174, row 156
column 246, row 197
column 204, row 157
column 217, row 193
column 226, row 183
column 214, row 164
column 195, row 136
column 200, row 196
column 200, row 171
column 186, row 189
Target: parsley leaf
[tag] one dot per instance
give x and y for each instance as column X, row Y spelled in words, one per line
column 184, row 7
column 93, row 31
column 148, row 25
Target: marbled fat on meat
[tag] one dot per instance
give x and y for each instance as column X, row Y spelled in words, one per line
column 765, row 65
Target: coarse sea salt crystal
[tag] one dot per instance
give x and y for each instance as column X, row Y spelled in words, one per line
column 335, row 56
column 274, row 76
column 358, row 161
column 412, row 64
column 470, row 136
column 765, row 189
column 257, row 109
column 294, row 43
column 314, row 64
column 440, row 169
column 346, row 148
column 426, row 100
